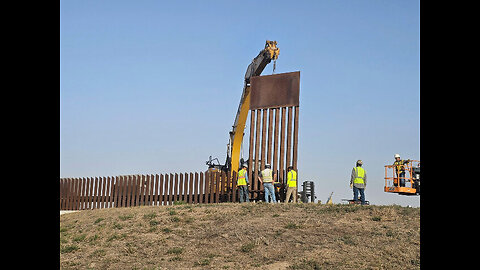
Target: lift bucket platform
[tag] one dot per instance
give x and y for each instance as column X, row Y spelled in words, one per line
column 392, row 180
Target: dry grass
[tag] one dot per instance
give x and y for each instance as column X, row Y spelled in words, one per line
column 242, row 236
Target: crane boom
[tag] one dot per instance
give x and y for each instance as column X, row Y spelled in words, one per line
column 265, row 56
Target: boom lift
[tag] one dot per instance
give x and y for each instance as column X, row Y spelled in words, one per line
column 264, row 57
column 412, row 179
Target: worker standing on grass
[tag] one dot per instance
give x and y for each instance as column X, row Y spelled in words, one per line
column 242, row 183
column 358, row 181
column 400, row 169
column 267, row 180
column 291, row 184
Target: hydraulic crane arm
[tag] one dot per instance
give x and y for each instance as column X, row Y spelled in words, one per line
column 265, row 56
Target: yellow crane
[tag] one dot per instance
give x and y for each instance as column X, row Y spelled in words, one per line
column 264, row 57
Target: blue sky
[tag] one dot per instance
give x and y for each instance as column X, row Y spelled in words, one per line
column 153, row 86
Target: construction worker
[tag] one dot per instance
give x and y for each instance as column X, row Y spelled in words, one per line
column 358, row 181
column 242, row 183
column 267, row 180
column 400, row 169
column 291, row 184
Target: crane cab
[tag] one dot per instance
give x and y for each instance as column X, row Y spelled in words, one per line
column 412, row 179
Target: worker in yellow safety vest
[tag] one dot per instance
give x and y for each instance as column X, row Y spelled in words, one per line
column 242, row 183
column 358, row 181
column 400, row 170
column 291, row 184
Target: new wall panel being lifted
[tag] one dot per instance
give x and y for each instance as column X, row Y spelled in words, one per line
column 274, row 105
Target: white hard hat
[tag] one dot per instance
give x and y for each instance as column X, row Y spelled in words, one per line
column 397, row 155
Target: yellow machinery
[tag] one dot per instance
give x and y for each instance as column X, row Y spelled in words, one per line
column 265, row 56
column 329, row 200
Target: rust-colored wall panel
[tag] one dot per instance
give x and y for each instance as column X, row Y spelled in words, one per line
column 289, row 139
column 190, row 188
column 175, row 188
column 180, row 186
column 277, row 138
column 150, row 193
column 128, row 196
column 295, row 140
column 207, row 187
column 201, row 188
column 195, row 189
column 282, row 147
column 161, row 189
column 269, row 138
column 264, row 136
column 170, row 193
column 257, row 152
column 272, row 91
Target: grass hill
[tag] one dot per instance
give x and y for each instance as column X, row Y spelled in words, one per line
column 242, row 236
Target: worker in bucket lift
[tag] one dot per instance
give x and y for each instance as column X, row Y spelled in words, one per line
column 358, row 181
column 400, row 169
column 242, row 183
column 267, row 180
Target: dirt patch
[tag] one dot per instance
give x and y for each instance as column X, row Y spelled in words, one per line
column 242, row 236
column 63, row 212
